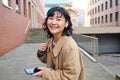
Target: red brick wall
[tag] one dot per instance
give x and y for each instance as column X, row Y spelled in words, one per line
column 12, row 27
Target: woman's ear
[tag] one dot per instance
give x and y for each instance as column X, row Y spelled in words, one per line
column 66, row 24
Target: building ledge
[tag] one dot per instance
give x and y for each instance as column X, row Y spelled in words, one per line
column 96, row 30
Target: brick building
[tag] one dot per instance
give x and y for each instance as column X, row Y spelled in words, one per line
column 16, row 17
column 104, row 12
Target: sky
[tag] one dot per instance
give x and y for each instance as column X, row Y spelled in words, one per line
column 81, row 4
column 56, row 1
column 77, row 4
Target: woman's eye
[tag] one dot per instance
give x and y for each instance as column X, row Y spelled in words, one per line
column 50, row 18
column 58, row 19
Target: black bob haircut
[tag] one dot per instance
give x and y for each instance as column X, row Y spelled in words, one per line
column 67, row 30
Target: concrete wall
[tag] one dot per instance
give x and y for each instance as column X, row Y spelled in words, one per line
column 109, row 43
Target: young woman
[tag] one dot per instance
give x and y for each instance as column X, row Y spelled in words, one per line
column 60, row 53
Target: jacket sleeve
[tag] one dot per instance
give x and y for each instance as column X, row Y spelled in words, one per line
column 42, row 56
column 70, row 66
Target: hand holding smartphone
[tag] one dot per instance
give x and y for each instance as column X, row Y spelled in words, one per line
column 31, row 71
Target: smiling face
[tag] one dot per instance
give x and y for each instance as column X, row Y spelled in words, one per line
column 56, row 24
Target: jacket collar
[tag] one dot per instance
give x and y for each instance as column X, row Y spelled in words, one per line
column 58, row 45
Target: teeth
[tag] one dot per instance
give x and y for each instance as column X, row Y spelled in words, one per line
column 53, row 27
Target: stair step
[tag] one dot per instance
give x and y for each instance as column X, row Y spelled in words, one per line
column 36, row 35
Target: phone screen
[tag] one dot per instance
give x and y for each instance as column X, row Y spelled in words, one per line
column 29, row 71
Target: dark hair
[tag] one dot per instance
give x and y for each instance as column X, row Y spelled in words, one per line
column 67, row 30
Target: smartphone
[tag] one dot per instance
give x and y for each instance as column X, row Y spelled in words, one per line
column 29, row 71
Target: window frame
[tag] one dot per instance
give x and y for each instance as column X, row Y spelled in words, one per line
column 18, row 6
column 7, row 3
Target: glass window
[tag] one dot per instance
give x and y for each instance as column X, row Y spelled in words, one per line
column 102, row 19
column 106, row 5
column 98, row 9
column 110, row 3
column 98, row 20
column 95, row 20
column 18, row 6
column 111, row 16
column 24, row 7
column 95, row 9
column 93, row 2
column 116, row 2
column 116, row 16
column 106, row 18
column 29, row 6
column 102, row 7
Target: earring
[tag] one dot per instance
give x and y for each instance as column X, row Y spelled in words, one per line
column 66, row 26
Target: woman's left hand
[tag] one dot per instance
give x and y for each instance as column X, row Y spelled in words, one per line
column 38, row 74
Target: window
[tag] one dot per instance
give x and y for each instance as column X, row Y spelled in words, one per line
column 90, row 2
column 110, row 3
column 106, row 18
column 95, row 10
column 102, row 7
column 98, row 9
column 7, row 3
column 91, row 21
column 24, row 7
column 95, row 20
column 18, row 6
column 106, row 5
column 102, row 19
column 98, row 20
column 116, row 2
column 111, row 16
column 29, row 6
column 93, row 2
column 90, row 12
column 116, row 16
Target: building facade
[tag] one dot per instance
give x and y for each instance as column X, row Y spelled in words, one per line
column 17, row 17
column 104, row 12
column 104, row 26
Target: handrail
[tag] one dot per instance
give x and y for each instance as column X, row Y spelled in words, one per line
column 87, row 54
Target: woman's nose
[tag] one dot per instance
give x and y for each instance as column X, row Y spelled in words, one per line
column 54, row 21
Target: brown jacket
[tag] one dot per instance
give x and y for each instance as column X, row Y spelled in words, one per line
column 67, row 61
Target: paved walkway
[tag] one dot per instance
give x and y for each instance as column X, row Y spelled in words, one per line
column 12, row 65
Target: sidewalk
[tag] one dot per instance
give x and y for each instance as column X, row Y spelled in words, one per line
column 12, row 65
